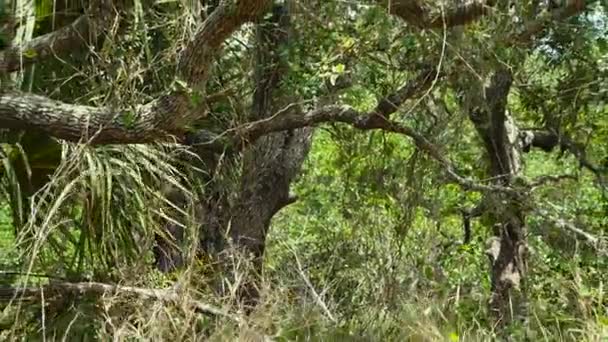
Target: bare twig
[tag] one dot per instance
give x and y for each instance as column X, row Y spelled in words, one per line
column 315, row 295
column 57, row 288
column 598, row 243
column 543, row 180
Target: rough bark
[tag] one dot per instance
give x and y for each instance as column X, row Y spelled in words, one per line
column 507, row 248
column 152, row 121
column 269, row 165
column 196, row 59
column 99, row 17
column 415, row 13
column 94, row 125
column 273, row 161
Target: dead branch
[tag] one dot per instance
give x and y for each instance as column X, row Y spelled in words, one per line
column 597, row 243
column 169, row 295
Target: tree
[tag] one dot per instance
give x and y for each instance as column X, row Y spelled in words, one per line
column 261, row 148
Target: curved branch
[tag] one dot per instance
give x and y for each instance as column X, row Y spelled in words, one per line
column 152, row 121
column 230, row 15
column 82, row 32
column 572, row 7
column 346, row 114
column 548, row 139
column 414, row 13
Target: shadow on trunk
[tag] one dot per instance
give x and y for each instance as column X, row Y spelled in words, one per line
column 238, row 228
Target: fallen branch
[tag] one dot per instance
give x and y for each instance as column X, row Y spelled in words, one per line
column 59, row 288
column 315, row 295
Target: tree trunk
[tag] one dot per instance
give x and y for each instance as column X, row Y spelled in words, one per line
column 238, row 223
column 273, row 161
column 507, row 248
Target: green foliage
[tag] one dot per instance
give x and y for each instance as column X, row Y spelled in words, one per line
column 373, row 249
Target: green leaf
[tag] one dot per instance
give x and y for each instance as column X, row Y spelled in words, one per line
column 602, row 44
column 30, row 53
column 128, row 119
column 196, row 99
column 44, row 8
column 347, row 43
column 339, row 68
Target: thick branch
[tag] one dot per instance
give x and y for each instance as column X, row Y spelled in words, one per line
column 414, row 13
column 335, row 113
column 230, row 15
column 377, row 118
column 82, row 32
column 152, row 121
column 547, row 140
column 94, row 125
column 572, row 7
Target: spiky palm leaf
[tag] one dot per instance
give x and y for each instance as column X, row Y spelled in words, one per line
column 98, row 211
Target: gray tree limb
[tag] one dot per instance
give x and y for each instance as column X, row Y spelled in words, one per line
column 415, row 13
column 151, row 121
column 94, row 125
column 168, row 115
column 346, row 114
column 78, row 35
column 548, row 139
column 169, row 295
